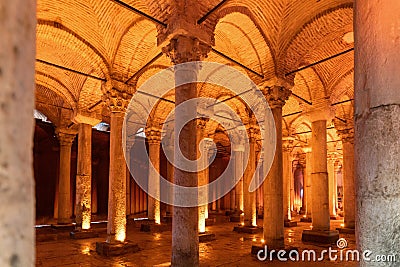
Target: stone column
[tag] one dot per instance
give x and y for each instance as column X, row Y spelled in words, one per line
column 153, row 205
column 287, row 177
column 377, row 117
column 238, row 151
column 307, row 182
column 203, row 180
column 332, row 185
column 117, row 101
column 346, row 132
column 250, row 216
column 129, row 187
column 320, row 232
column 170, row 175
column 17, row 87
column 83, row 211
column 185, row 240
column 276, row 94
column 65, row 137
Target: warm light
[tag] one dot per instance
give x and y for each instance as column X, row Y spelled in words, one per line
column 304, row 216
column 242, row 223
column 254, row 218
column 85, row 223
column 120, row 230
column 85, row 249
column 262, row 241
column 202, row 219
column 311, row 227
column 342, row 225
column 290, row 240
column 254, row 239
column 349, row 37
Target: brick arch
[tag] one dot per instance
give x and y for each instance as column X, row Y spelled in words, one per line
column 67, row 37
column 312, row 34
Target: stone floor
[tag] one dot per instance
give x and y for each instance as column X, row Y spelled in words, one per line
column 229, row 249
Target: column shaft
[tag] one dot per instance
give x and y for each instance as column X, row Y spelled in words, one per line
column 83, row 211
column 185, row 240
column 64, row 181
column 332, row 185
column 116, row 226
column 154, row 212
column 238, row 158
column 308, row 183
column 17, row 94
column 319, row 177
column 250, row 197
column 348, row 185
column 273, row 192
column 287, row 181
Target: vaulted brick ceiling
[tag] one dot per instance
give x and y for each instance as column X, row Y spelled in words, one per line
column 271, row 37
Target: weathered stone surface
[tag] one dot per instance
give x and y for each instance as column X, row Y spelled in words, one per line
column 116, row 249
column 17, row 86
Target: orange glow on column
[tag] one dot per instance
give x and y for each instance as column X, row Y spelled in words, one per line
column 202, row 219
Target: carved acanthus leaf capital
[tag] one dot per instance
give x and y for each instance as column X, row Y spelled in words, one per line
column 182, row 49
column 65, row 136
column 117, row 96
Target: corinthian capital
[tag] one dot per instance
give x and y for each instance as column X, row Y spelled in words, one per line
column 117, row 96
column 184, row 48
column 65, row 136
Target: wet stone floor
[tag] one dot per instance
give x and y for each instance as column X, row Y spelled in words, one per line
column 55, row 248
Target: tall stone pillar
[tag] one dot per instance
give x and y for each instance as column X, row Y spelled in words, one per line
column 83, row 200
column 276, row 93
column 203, row 180
column 332, row 185
column 117, row 100
column 185, row 240
column 154, row 138
column 250, row 216
column 129, row 186
column 65, row 137
column 308, row 183
column 377, row 117
column 238, row 151
column 346, row 133
column 287, row 177
column 17, row 87
column 170, row 175
column 320, row 232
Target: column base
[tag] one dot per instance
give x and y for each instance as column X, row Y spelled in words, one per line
column 344, row 230
column 116, row 249
column 255, row 249
column 248, row 229
column 206, row 237
column 155, row 228
column 306, row 219
column 335, row 217
column 322, row 237
column 290, row 223
column 83, row 234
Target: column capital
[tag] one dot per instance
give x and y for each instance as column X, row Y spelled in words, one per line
column 320, row 110
column 153, row 135
column 117, row 96
column 182, row 48
column 276, row 91
column 287, row 144
column 85, row 117
column 65, row 136
column 345, row 130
